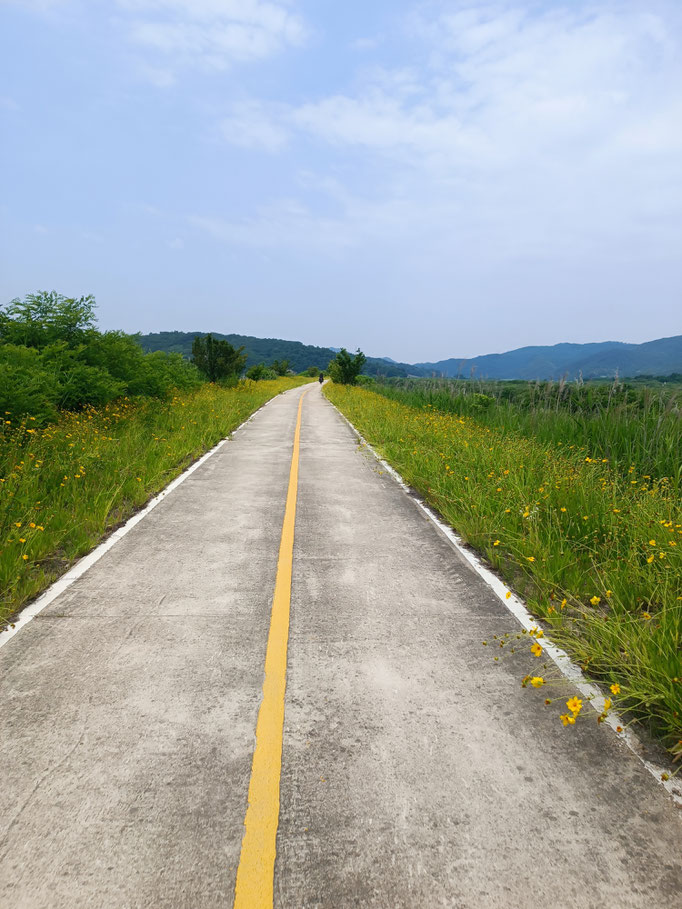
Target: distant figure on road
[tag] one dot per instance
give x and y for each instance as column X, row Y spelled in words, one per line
column 321, row 379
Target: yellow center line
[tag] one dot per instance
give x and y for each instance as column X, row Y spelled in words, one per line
column 255, row 874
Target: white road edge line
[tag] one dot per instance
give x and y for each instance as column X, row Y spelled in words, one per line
column 82, row 565
column 519, row 610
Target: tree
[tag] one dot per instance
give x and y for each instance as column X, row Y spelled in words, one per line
column 217, row 359
column 47, row 317
column 344, row 369
column 281, row 367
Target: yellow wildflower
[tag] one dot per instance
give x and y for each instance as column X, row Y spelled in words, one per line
column 537, row 681
column 575, row 705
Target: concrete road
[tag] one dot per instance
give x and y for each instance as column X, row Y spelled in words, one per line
column 415, row 771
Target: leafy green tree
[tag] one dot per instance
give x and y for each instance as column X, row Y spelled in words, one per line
column 25, row 386
column 217, row 359
column 311, row 371
column 345, row 369
column 45, row 317
column 281, row 367
column 53, row 357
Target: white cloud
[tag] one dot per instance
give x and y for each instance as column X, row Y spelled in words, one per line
column 365, row 44
column 508, row 85
column 525, row 133
column 254, row 125
column 213, row 34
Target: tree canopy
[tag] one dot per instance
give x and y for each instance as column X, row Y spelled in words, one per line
column 217, row 359
column 345, row 369
column 52, row 356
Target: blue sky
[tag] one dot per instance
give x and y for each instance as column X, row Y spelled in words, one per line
column 420, row 179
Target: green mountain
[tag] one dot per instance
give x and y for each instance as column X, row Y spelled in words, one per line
column 265, row 350
column 592, row 361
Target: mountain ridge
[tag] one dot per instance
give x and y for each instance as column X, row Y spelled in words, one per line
column 600, row 359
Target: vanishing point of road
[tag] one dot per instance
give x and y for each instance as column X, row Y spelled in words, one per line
column 150, row 755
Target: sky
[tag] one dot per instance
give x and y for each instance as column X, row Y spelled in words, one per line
column 418, row 179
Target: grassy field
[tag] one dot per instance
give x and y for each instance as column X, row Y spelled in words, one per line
column 631, row 425
column 65, row 485
column 594, row 551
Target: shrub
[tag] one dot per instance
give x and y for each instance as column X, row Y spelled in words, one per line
column 52, row 356
column 259, row 372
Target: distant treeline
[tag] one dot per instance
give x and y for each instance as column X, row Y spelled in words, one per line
column 266, row 350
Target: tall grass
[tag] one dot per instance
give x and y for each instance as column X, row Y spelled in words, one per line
column 630, row 426
column 64, row 485
column 596, row 553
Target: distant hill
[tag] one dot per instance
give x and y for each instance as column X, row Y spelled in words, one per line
column 592, row 361
column 601, row 360
column 265, row 350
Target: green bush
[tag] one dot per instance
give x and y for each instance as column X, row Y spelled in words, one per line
column 52, row 357
column 260, row 371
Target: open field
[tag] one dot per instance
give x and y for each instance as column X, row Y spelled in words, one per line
column 631, row 424
column 595, row 552
column 63, row 486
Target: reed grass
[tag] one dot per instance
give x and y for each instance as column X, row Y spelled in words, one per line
column 631, row 426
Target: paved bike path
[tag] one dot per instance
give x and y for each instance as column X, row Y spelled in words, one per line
column 416, row 772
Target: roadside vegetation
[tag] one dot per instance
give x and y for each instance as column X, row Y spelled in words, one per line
column 630, row 424
column 345, row 369
column 92, row 427
column 64, row 485
column 594, row 547
column 53, row 358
